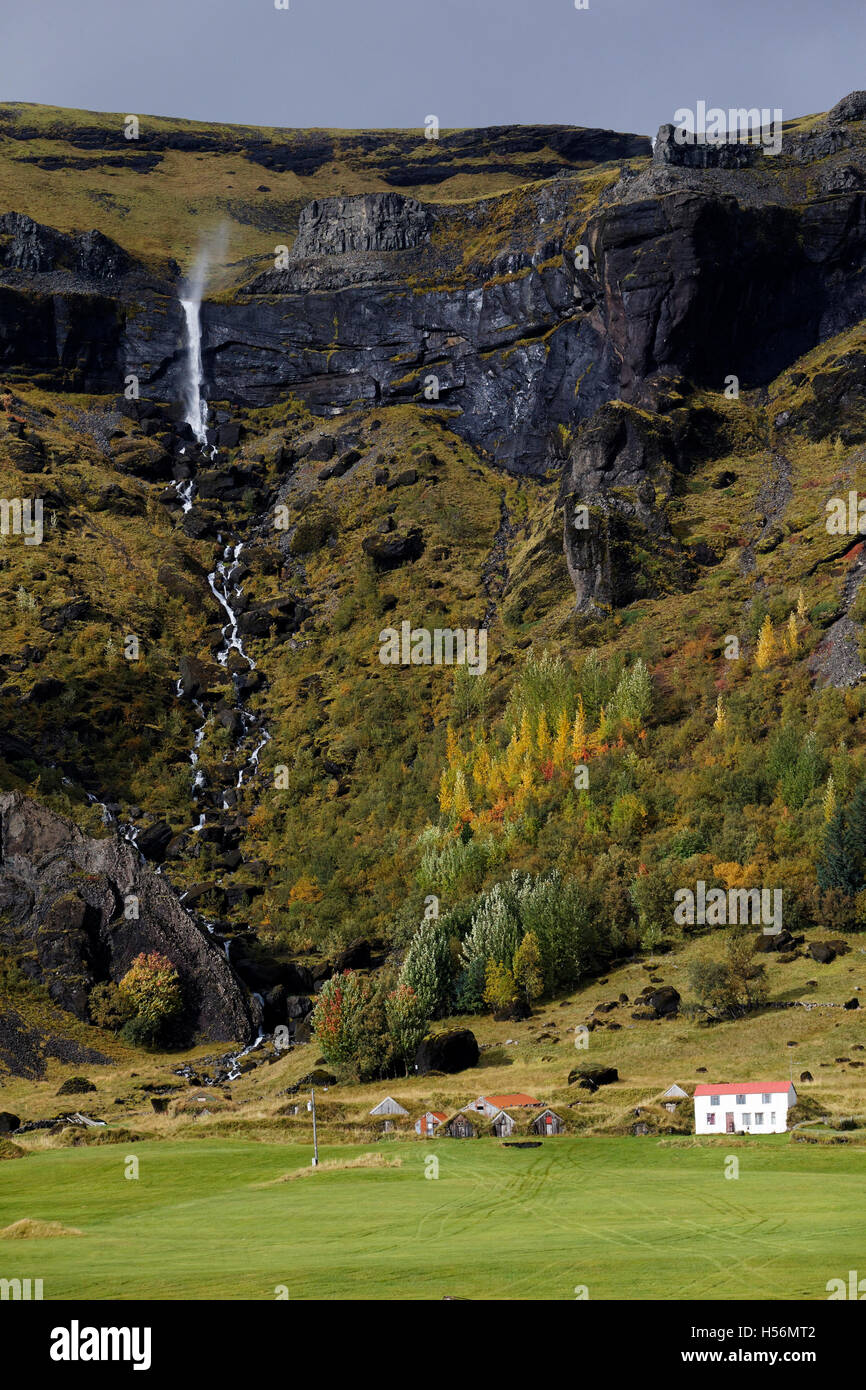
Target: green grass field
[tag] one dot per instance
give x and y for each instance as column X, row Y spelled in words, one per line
column 628, row 1218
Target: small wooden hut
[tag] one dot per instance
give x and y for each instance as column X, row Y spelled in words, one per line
column 460, row 1126
column 503, row 1124
column 548, row 1122
column 429, row 1122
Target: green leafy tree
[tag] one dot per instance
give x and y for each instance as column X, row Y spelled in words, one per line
column 110, row 1009
column 633, row 698
column 730, row 987
column 431, row 965
column 407, row 1022
column 842, row 864
column 495, row 933
column 527, row 967
column 556, row 913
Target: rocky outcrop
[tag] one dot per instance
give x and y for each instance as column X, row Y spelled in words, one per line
column 28, row 245
column 78, row 910
column 688, row 153
column 370, row 222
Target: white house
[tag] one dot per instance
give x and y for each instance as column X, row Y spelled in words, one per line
column 747, row 1107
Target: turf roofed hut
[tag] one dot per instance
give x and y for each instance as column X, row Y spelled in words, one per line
column 429, row 1122
column 461, row 1126
column 502, row 1125
column 388, row 1111
column 548, row 1122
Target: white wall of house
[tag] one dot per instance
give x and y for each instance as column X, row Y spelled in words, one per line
column 754, row 1112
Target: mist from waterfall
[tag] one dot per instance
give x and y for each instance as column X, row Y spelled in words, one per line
column 195, row 406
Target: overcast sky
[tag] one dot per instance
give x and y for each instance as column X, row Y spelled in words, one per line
column 624, row 64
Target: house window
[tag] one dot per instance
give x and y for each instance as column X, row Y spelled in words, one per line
column 711, row 1119
column 747, row 1119
column 715, row 1100
column 766, row 1100
column 741, row 1100
column 759, row 1117
column 772, row 1117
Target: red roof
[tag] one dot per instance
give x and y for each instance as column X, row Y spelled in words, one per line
column 746, row 1088
column 438, row 1115
column 517, row 1099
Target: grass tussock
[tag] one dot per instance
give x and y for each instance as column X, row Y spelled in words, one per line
column 27, row 1229
column 8, row 1149
column 333, row 1165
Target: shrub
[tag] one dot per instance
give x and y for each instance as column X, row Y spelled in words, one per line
column 109, row 1008
column 151, row 991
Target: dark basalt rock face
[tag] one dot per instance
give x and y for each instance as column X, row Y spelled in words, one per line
column 371, row 222
column 696, row 154
column 27, row 245
column 63, row 896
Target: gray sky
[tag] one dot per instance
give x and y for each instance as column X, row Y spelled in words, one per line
column 626, row 64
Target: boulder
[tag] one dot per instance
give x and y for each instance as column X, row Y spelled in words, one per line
column 318, row 1078
column 850, row 108
column 197, row 677
column 153, row 842
column 822, row 952
column 76, row 1086
column 515, row 1012
column 229, row 435
column 770, row 941
column 853, row 1003
column 449, row 1052
column 8, row 1122
column 356, row 956
column 665, row 1001
column 390, row 551
column 298, row 1006
column 806, row 1076
column 590, row 1078
column 341, row 466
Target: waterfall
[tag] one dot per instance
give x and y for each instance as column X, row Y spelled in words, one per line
column 211, row 250
column 195, row 407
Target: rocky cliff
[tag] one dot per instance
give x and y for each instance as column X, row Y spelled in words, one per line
column 76, row 911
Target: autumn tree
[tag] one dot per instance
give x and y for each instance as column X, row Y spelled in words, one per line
column 500, row 987
column 337, row 1017
column 766, row 648
column 527, row 967
column 151, row 991
column 407, row 1022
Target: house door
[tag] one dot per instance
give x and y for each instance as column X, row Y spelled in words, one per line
column 729, row 1122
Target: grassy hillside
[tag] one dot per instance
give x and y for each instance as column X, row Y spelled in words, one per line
column 535, row 1056
column 158, row 194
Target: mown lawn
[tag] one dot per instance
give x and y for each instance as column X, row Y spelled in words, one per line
column 628, row 1218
